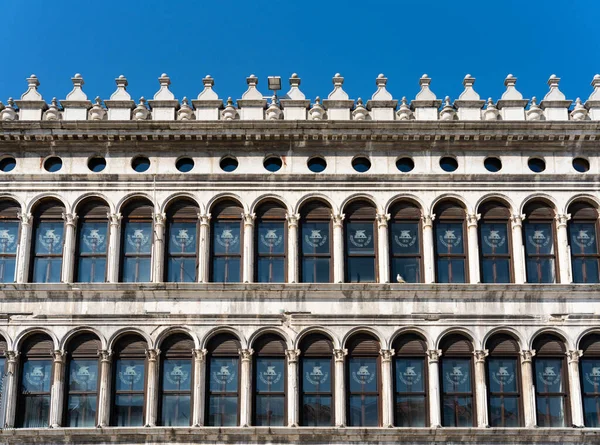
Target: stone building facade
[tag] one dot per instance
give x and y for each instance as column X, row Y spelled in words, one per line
column 283, row 271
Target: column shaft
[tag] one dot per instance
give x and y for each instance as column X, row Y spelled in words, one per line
column 114, row 247
column 152, row 387
column 158, row 256
column 12, row 373
column 575, row 389
column 473, row 246
column 246, row 387
column 204, row 249
column 433, row 357
column 428, row 256
column 199, row 383
column 340, row 387
column 68, row 265
column 338, row 248
column 383, row 248
column 24, row 250
column 387, row 399
column 562, row 248
column 293, row 386
column 481, row 388
column 292, row 248
column 57, row 390
column 248, row 254
column 528, row 391
column 105, row 388
column 517, row 248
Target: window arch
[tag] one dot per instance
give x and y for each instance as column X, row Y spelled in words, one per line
column 504, row 382
column 360, row 228
column 176, row 371
column 137, row 239
column 551, row 393
column 182, row 251
column 83, row 377
column 316, row 242
column 271, row 243
column 226, row 246
column 92, row 242
column 269, row 381
column 450, row 245
column 223, row 381
column 48, row 240
column 9, row 240
column 583, row 238
column 539, row 233
column 589, row 365
column 316, row 384
column 495, row 245
column 458, row 406
column 129, row 378
column 406, row 258
column 36, row 382
column 363, row 377
column 410, row 381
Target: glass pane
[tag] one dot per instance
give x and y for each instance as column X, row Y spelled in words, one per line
column 93, row 237
column 182, row 237
column 450, row 271
column 360, row 238
column 138, row 237
column 316, row 375
column 130, row 375
column 449, row 237
column 410, row 411
column 81, row 411
column 271, row 270
column 129, row 410
column 175, row 410
column 583, row 238
column 181, row 270
column 364, row 411
column 223, row 374
column 47, row 270
column 226, row 270
column 83, row 375
column 316, row 411
column 91, row 270
column 591, row 411
column 7, row 269
column 458, row 411
column 504, row 412
column 315, row 238
column 585, row 270
column 590, row 371
column 363, row 375
column 502, row 375
column 456, row 374
column 269, row 375
column 136, row 270
column 550, row 411
column 222, row 411
column 409, row 269
column 495, row 271
column 49, row 238
column 493, row 238
column 269, row 410
column 315, row 270
column 409, row 375
column 9, row 237
column 360, row 270
column 405, row 238
column 36, row 411
column 177, row 375
column 36, row 376
column 226, row 237
column 271, row 237
column 540, row 270
column 548, row 375
column 539, row 238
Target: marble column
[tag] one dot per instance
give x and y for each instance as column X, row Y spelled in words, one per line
column 24, row 250
column 293, row 386
column 387, row 398
column 57, row 391
column 68, row 265
column 152, row 387
column 473, row 246
column 246, row 387
column 340, row 386
column 292, row 247
column 516, row 222
column 105, row 387
column 383, row 247
column 481, row 388
column 338, row 248
column 204, row 249
column 158, row 248
column 248, row 253
column 435, row 409
column 562, row 248
column 199, row 384
column 428, row 248
column 528, row 389
column 114, row 247
column 11, row 384
column 575, row 389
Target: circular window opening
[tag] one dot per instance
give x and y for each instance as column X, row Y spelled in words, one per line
column 405, row 164
column 228, row 164
column 317, row 164
column 53, row 164
column 8, row 164
column 536, row 165
column 448, row 164
column 272, row 163
column 580, row 164
column 184, row 165
column 140, row 164
column 361, row 164
column 493, row 164
column 97, row 164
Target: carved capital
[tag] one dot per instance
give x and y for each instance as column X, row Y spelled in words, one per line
column 204, row 219
column 427, row 220
column 292, row 219
column 26, row 218
column 249, row 218
column 105, row 355
column 246, row 354
column 472, row 219
column 114, row 219
column 152, row 354
column 12, row 358
column 59, row 356
column 292, row 355
column 382, row 219
column 480, row 355
column 338, row 219
column 573, row 356
column 561, row 219
column 339, row 354
column 199, row 354
column 527, row 356
column 386, row 355
column 433, row 355
column 160, row 219
column 70, row 219
column 517, row 220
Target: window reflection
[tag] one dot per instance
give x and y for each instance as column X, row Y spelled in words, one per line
column 360, row 238
column 450, row 248
column 457, row 392
column 223, row 384
column 590, row 372
column 405, row 251
column 271, row 247
column 550, row 392
column 9, row 240
column 182, row 252
column 504, row 392
column 82, row 391
column 93, row 248
column 137, row 251
column 316, row 381
column 226, row 247
column 270, row 391
column 48, row 247
column 35, row 393
column 316, row 252
column 539, row 251
column 176, row 392
column 129, row 392
column 583, row 241
column 495, row 253
column 410, row 408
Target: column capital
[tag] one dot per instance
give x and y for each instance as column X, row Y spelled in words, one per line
column 246, row 354
column 527, row 355
column 152, row 354
column 480, row 355
column 292, row 355
column 472, row 219
column 70, row 219
column 427, row 220
column 12, row 356
column 26, row 218
column 249, row 218
column 160, row 219
column 59, row 356
column 292, row 219
column 561, row 219
column 386, row 355
column 204, row 219
column 337, row 219
column 339, row 354
column 517, row 220
column 199, row 354
column 382, row 219
column 114, row 218
column 105, row 355
column 433, row 355
column 573, row 356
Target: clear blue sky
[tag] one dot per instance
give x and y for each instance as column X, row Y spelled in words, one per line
column 231, row 39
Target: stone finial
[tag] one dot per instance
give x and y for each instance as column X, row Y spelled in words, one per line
column 579, row 113
column 31, row 104
column 252, row 104
column 97, row 112
column 425, row 93
column 1, row 106
column 317, row 112
column 448, row 112
column 382, row 105
column 554, row 104
column 469, row 103
column 53, row 112
column 32, row 94
column 274, row 112
column 9, row 113
column 121, row 91
column 120, row 104
column 511, row 92
column 164, row 93
column 207, row 104
column 404, row 113
column 360, row 113
column 252, row 92
column 294, row 93
column 426, row 104
column 76, row 105
column 338, row 92
column 208, row 93
column 229, row 113
column 163, row 104
column 141, row 113
column 490, row 113
column 294, row 103
column 77, row 93
column 593, row 102
column 535, row 113
column 512, row 104
column 185, row 112
column 338, row 103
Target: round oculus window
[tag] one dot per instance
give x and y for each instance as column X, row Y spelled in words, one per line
column 316, row 164
column 405, row 165
column 361, row 164
column 140, row 164
column 581, row 165
column 184, row 165
column 492, row 164
column 8, row 164
column 536, row 165
column 97, row 164
column 53, row 164
column 228, row 164
column 448, row 164
column 272, row 163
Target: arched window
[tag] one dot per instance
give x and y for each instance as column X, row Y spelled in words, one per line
column 361, row 238
column 495, row 243
column 410, row 381
column 315, row 243
column 176, row 381
column 137, row 242
column 540, row 254
column 36, row 382
column 83, row 377
column 182, row 251
column 269, row 381
column 406, row 258
column 223, row 381
column 589, row 365
column 129, row 381
column 504, row 382
column 48, row 240
column 227, row 242
column 450, row 245
column 551, row 396
column 9, row 240
column 316, row 383
column 92, row 242
column 363, row 381
column 458, row 408
column 583, row 237
column 271, row 243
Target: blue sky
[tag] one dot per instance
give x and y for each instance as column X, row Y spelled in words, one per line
column 231, row 39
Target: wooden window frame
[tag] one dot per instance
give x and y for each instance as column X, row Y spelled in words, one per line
column 171, row 219
column 304, row 255
column 79, row 254
column 38, row 219
column 591, row 355
column 462, row 256
column 256, row 393
column 136, row 220
column 377, row 393
column 419, row 256
column 507, row 256
column 375, row 255
column 471, row 394
column 554, row 256
column 175, row 355
column 585, row 256
column 425, row 377
column 330, row 393
column 260, row 219
column 9, row 219
column 214, row 255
